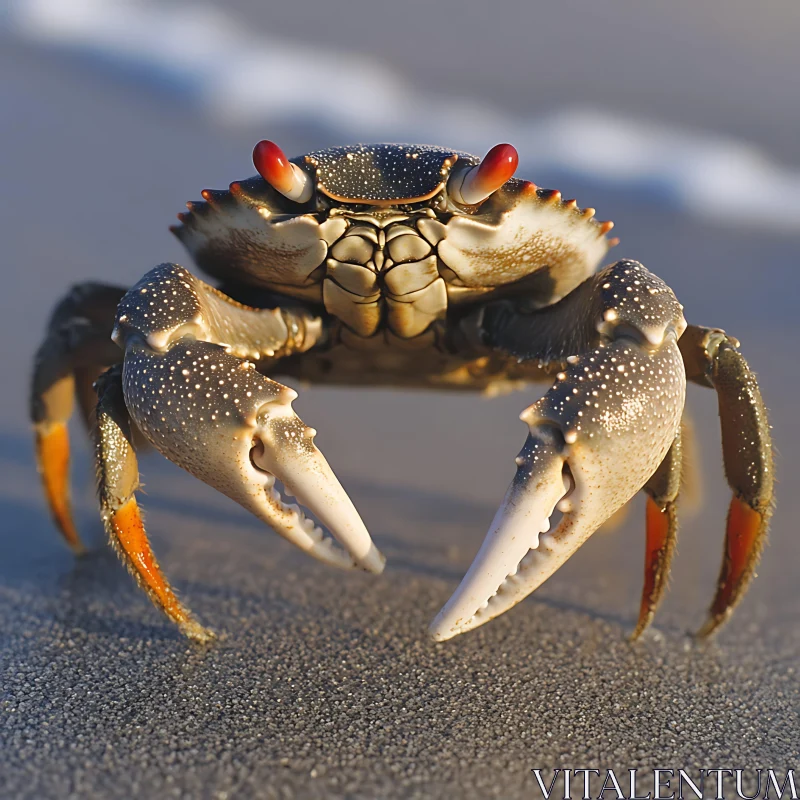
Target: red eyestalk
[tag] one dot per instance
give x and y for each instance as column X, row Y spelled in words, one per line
column 276, row 169
column 482, row 180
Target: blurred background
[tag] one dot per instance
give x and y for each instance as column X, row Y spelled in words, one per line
column 677, row 120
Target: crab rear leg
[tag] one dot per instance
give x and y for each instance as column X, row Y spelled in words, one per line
column 713, row 359
column 596, row 438
column 77, row 348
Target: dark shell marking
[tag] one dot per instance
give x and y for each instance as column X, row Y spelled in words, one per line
column 382, row 173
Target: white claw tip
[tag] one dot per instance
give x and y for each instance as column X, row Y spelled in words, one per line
column 438, row 634
column 374, row 561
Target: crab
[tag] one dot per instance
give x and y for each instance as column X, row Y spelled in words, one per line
column 414, row 266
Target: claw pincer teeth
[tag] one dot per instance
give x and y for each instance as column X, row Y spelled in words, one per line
column 515, row 532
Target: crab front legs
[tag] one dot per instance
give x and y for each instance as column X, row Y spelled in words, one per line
column 595, row 439
column 190, row 386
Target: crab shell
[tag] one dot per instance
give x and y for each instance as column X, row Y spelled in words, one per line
column 382, row 243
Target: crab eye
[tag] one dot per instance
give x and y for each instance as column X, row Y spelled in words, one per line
column 474, row 185
column 280, row 173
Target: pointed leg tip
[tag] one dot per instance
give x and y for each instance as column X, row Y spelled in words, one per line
column 637, row 633
column 197, row 633
column 126, row 527
column 661, row 528
column 79, row 550
column 710, row 627
column 745, row 538
column 66, row 527
column 52, row 455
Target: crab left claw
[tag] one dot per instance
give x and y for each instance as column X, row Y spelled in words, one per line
column 595, row 439
column 238, row 433
column 211, row 412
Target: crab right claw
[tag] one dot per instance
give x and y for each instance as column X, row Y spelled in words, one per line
column 595, row 438
column 217, row 417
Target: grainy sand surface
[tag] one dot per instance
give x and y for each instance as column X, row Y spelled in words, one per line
column 323, row 683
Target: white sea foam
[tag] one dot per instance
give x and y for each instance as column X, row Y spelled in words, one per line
column 236, row 76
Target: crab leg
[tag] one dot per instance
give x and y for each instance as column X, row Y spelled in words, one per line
column 76, row 349
column 596, row 437
column 194, row 394
column 662, row 530
column 712, row 359
column 118, row 480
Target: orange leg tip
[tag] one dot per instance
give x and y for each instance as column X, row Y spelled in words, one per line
column 658, row 532
column 743, row 536
column 52, row 456
column 128, row 528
